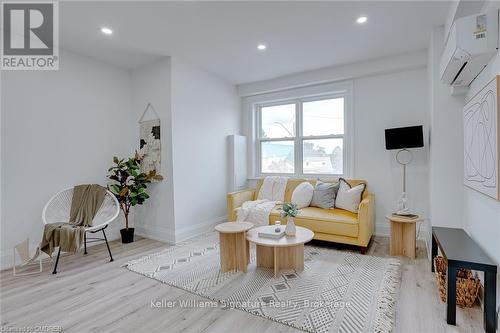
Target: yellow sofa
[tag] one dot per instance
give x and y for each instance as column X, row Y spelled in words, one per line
column 334, row 225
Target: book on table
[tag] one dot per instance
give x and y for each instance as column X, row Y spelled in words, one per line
column 270, row 232
column 408, row 215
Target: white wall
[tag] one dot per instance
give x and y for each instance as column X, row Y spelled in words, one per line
column 385, row 101
column 59, row 128
column 152, row 84
column 385, row 94
column 446, row 147
column 197, row 111
column 482, row 213
column 63, row 127
column 384, row 65
column 452, row 203
column 205, row 110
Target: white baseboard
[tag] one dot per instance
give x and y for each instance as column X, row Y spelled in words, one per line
column 382, row 229
column 197, row 229
column 157, row 233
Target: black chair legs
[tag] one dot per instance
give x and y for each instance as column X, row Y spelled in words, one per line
column 93, row 239
column 106, row 239
column 57, row 261
column 85, row 243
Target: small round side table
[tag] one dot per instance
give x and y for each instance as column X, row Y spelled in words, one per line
column 234, row 247
column 403, row 235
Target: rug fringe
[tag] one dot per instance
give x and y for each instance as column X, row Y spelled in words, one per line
column 385, row 313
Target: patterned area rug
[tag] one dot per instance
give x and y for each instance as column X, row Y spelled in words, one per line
column 338, row 291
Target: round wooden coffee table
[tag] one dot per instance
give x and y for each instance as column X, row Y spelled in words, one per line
column 234, row 248
column 283, row 253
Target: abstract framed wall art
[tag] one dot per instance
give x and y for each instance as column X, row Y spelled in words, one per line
column 482, row 140
column 150, row 144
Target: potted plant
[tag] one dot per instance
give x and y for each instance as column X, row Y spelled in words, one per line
column 129, row 187
column 289, row 210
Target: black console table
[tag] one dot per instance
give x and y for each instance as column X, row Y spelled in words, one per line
column 461, row 251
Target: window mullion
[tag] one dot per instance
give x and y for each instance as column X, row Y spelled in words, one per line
column 259, row 142
column 298, row 140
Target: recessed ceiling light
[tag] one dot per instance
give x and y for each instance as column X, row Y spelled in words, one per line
column 362, row 19
column 106, row 31
column 261, row 47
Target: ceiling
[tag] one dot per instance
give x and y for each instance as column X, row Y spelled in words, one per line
column 222, row 37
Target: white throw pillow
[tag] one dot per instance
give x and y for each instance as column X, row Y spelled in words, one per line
column 273, row 188
column 302, row 195
column 348, row 197
column 266, row 189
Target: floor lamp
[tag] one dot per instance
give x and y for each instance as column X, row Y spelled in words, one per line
column 403, row 138
column 404, row 157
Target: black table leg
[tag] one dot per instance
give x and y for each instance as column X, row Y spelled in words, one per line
column 451, row 310
column 490, row 293
column 434, row 252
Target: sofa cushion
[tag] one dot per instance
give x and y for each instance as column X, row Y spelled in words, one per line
column 273, row 188
column 328, row 215
column 302, row 195
column 349, row 197
column 324, row 195
column 329, row 221
column 294, row 182
column 291, row 185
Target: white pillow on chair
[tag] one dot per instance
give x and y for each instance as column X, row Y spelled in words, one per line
column 348, row 197
column 302, row 195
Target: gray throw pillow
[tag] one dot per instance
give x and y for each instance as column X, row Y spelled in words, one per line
column 324, row 195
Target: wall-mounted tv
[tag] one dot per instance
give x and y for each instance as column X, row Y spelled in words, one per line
column 404, row 137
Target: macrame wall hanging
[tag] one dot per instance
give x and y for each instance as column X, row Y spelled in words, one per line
column 150, row 144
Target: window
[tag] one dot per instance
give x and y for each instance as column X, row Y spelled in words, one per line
column 303, row 137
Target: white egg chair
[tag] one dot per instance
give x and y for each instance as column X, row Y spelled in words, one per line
column 58, row 209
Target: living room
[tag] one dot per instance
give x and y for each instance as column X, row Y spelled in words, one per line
column 262, row 166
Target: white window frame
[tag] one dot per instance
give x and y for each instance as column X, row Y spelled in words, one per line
column 299, row 138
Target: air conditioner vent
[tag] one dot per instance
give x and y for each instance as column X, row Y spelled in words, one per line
column 472, row 42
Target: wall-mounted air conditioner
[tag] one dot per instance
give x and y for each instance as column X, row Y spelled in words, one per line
column 472, row 42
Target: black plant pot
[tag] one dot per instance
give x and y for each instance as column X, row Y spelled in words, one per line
column 127, row 235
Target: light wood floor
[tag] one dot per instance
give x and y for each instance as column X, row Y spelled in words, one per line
column 89, row 294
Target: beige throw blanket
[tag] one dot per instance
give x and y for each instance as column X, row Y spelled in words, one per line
column 271, row 193
column 256, row 211
column 86, row 201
